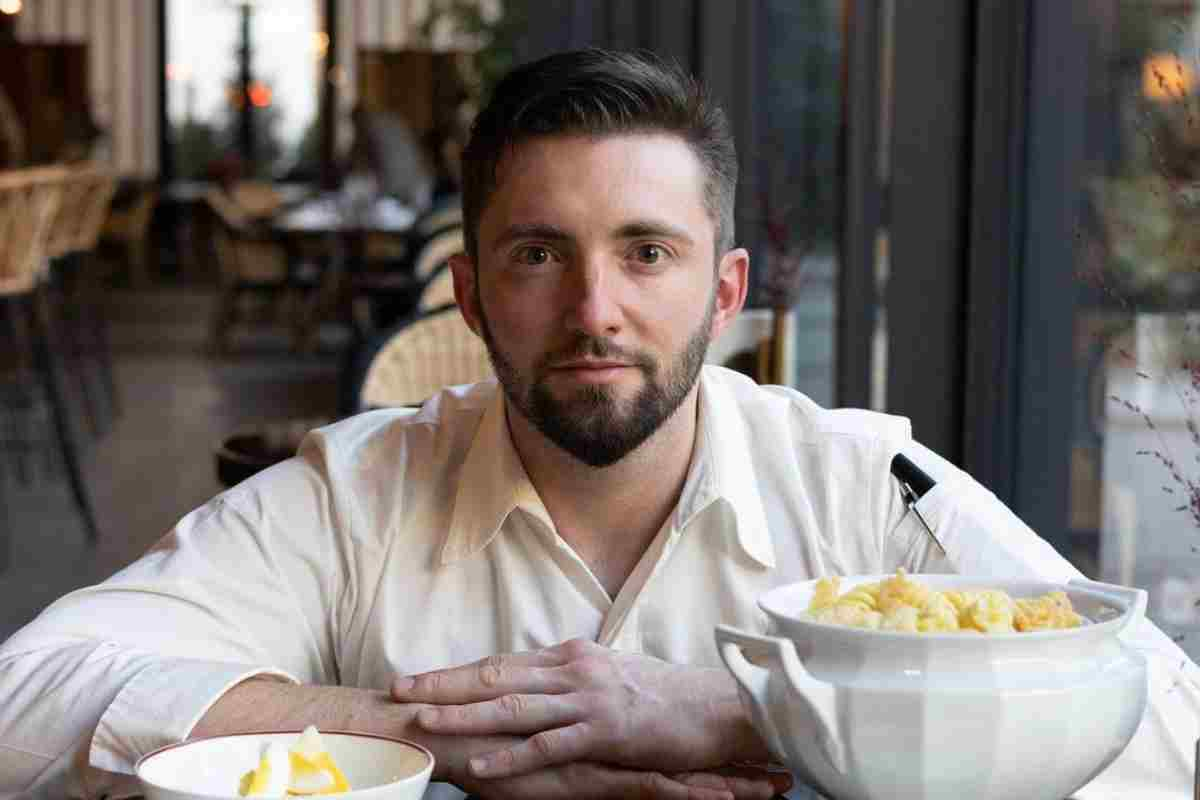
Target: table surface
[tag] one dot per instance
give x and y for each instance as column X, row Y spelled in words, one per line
column 330, row 213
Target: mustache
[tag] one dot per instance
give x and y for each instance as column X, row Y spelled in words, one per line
column 584, row 346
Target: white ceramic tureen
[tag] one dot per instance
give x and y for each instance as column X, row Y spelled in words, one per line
column 866, row 715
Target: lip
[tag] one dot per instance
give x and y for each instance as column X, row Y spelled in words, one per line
column 592, row 371
column 586, row 364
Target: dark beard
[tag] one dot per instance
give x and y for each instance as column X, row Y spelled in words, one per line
column 589, row 425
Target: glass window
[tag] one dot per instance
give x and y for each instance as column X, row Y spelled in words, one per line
column 243, row 81
column 1134, row 448
column 799, row 194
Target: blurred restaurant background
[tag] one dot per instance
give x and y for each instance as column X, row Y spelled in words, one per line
column 225, row 221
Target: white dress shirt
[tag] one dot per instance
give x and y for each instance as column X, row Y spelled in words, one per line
column 400, row 543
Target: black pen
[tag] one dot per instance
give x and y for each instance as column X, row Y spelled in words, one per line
column 914, row 483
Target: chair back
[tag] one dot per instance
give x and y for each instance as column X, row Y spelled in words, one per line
column 436, row 251
column 419, row 358
column 29, row 200
column 228, row 213
column 258, row 199
column 439, row 290
column 99, row 186
column 436, row 219
column 86, row 197
column 242, row 254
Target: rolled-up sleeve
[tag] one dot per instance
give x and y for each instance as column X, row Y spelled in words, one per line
column 983, row 537
column 110, row 672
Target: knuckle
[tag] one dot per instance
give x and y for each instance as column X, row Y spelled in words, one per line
column 513, row 705
column 576, row 648
column 545, row 744
column 588, row 668
column 506, row 759
column 491, row 672
column 428, row 684
column 653, row 784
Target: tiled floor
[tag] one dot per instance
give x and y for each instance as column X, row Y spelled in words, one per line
column 156, row 462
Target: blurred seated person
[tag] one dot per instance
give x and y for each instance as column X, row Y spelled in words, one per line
column 386, row 148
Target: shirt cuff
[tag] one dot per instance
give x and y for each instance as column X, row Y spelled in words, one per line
column 161, row 705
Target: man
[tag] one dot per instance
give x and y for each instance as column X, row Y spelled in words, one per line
column 525, row 576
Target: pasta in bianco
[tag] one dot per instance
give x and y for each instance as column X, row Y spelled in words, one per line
column 901, row 604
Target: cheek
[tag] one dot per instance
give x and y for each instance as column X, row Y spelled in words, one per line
column 517, row 316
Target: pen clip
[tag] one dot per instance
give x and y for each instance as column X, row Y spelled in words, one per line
column 910, row 501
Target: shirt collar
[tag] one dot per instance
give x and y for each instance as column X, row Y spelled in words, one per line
column 723, row 468
column 493, row 482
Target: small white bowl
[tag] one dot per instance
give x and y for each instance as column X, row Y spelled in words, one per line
column 377, row 767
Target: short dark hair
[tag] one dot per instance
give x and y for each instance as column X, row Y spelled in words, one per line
column 597, row 92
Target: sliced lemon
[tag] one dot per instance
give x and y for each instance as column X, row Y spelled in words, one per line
column 270, row 779
column 313, row 770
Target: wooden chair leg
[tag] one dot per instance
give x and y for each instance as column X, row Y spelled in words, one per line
column 5, row 527
column 139, row 269
column 17, row 434
column 44, row 357
column 90, row 299
column 104, row 350
column 223, row 319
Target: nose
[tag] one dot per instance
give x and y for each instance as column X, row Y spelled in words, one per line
column 591, row 302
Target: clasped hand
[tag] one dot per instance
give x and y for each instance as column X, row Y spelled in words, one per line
column 579, row 702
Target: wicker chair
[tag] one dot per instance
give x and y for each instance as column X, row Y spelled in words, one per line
column 393, row 296
column 128, row 229
column 252, row 262
column 29, row 201
column 415, row 360
column 439, row 289
column 74, row 286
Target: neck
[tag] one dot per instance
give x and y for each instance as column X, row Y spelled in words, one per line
column 610, row 515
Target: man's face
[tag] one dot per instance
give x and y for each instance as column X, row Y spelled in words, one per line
column 594, row 288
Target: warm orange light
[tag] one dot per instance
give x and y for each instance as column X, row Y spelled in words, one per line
column 10, row 7
column 320, row 44
column 1166, row 77
column 260, row 94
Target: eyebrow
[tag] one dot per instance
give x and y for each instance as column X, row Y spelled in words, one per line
column 653, row 228
column 515, row 233
column 631, row 230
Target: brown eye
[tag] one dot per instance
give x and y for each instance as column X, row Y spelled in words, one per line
column 533, row 255
column 649, row 253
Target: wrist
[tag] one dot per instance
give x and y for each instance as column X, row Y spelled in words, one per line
column 741, row 743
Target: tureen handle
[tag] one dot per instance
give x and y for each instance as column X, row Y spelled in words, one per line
column 1128, row 598
column 815, row 696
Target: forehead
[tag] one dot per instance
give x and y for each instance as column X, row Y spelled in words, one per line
column 579, row 179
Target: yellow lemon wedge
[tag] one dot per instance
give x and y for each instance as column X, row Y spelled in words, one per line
column 313, row 770
column 305, row 769
column 270, row 778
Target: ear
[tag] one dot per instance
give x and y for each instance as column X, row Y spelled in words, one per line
column 463, row 269
column 733, row 280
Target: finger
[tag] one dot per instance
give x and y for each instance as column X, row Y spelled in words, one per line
column 601, row 781
column 544, row 749
column 494, row 676
column 656, row 786
column 586, row 781
column 745, row 784
column 510, row 713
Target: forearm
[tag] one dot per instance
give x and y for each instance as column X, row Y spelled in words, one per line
column 256, row 705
